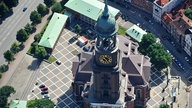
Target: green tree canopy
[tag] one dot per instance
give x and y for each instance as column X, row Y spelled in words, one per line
column 63, row 2
column 3, row 8
column 40, row 103
column 42, row 9
column 57, row 7
column 22, row 36
column 147, row 40
column 3, row 101
column 164, row 105
column 37, row 37
column 159, row 57
column 188, row 13
column 11, row 3
column 9, row 56
column 42, row 52
column 15, row 47
column 34, row 47
column 6, row 91
column 35, row 17
column 49, row 3
column 29, row 28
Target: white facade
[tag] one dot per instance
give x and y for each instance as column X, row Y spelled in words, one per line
column 159, row 10
column 188, row 44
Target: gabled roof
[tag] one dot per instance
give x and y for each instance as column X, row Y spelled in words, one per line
column 182, row 23
column 53, row 30
column 18, row 104
column 90, row 8
column 136, row 33
column 132, row 65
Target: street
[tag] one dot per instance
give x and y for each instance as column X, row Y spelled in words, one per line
column 13, row 23
column 136, row 16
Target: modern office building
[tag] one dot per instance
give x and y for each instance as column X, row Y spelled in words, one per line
column 114, row 75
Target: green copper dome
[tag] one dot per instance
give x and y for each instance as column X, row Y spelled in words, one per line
column 106, row 23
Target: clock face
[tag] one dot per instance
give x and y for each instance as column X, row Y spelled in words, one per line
column 105, row 59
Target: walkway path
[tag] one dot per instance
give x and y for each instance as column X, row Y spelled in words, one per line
column 22, row 70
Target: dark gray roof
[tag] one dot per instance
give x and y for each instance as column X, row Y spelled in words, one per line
column 86, row 62
column 136, row 80
column 83, row 77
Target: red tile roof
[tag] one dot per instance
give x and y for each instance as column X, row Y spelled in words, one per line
column 162, row 2
column 167, row 17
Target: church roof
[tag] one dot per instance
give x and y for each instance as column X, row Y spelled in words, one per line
column 53, row 30
column 90, row 8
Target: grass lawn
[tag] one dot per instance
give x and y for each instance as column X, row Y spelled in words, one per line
column 121, row 31
column 51, row 59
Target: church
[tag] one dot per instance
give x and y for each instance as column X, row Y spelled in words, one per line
column 115, row 74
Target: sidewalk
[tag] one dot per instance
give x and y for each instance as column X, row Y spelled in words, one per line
column 19, row 63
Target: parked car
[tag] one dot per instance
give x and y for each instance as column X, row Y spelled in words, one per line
column 46, row 96
column 42, row 86
column 24, row 9
column 44, row 89
column 58, row 62
column 44, row 92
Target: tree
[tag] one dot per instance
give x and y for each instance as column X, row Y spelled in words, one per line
column 164, row 105
column 188, row 13
column 15, row 47
column 49, row 3
column 35, row 17
column 77, row 29
column 3, row 68
column 3, row 9
column 40, row 103
column 147, row 40
column 11, row 3
column 42, row 53
column 9, row 56
column 57, row 7
column 22, row 36
column 3, row 101
column 34, row 46
column 42, row 9
column 37, row 37
column 29, row 28
column 159, row 57
column 6, row 91
column 63, row 2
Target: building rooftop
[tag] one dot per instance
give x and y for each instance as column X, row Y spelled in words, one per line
column 181, row 22
column 162, row 2
column 136, row 33
column 18, row 104
column 167, row 17
column 90, row 8
column 53, row 30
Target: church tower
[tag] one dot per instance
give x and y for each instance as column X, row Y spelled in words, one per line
column 106, row 58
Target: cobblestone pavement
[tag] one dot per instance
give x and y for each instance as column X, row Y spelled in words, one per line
column 56, row 77
column 162, row 93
